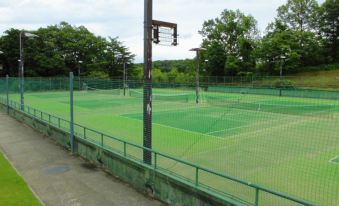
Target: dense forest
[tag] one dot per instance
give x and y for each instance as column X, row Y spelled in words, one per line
column 303, row 34
column 302, row 37
column 59, row 49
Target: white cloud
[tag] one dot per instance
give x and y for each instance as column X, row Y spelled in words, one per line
column 124, row 18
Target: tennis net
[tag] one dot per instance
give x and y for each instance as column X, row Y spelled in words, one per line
column 294, row 109
column 182, row 97
column 103, row 91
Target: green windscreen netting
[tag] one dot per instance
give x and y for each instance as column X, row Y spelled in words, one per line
column 283, row 139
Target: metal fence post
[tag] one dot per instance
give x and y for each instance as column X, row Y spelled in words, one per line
column 256, row 197
column 7, row 93
column 197, row 176
column 155, row 160
column 84, row 132
column 71, row 122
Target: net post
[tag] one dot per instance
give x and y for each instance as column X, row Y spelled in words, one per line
column 71, row 103
column 147, row 141
column 7, row 93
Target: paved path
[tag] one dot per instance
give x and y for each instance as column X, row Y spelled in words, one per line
column 58, row 178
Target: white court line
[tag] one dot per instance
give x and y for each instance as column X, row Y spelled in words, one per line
column 225, row 130
column 250, row 136
column 207, row 134
column 251, row 125
column 262, row 123
column 189, row 131
column 332, row 160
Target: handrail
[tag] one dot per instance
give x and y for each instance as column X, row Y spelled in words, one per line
column 198, row 168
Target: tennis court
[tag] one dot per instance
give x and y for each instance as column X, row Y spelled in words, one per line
column 283, row 143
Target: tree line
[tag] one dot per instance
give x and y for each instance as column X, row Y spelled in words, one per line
column 303, row 36
column 63, row 48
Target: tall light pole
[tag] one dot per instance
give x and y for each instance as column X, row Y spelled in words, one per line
column 147, row 142
column 79, row 73
column 124, row 75
column 149, row 25
column 22, row 35
column 197, row 76
column 282, row 59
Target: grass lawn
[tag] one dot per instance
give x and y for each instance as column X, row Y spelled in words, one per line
column 13, row 189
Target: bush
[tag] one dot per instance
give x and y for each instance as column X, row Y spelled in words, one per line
column 98, row 75
column 284, row 84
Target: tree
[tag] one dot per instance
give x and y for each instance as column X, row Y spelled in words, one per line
column 61, row 48
column 329, row 28
column 230, row 41
column 11, row 53
column 287, row 43
column 298, row 15
column 275, row 45
column 292, row 34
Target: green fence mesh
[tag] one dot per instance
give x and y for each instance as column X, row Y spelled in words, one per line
column 238, row 138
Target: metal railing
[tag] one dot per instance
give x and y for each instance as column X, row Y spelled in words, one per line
column 82, row 132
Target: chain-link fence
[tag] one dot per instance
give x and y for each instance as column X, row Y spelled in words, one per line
column 258, row 144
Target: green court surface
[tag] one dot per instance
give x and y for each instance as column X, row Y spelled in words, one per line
column 335, row 160
column 283, row 143
column 13, row 190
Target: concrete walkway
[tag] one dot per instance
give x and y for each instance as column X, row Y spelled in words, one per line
column 58, row 178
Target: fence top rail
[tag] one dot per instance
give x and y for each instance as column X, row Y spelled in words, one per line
column 255, row 186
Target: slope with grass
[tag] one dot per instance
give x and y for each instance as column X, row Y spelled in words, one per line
column 318, row 79
column 13, row 190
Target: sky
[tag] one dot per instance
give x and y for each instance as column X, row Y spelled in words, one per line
column 124, row 18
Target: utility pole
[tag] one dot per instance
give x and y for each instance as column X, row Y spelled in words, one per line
column 150, row 26
column 147, row 143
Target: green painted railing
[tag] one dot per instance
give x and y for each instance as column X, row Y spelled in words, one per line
column 82, row 133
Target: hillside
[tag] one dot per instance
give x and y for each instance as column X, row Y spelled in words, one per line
column 321, row 79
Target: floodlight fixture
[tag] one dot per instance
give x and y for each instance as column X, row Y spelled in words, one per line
column 198, row 49
column 79, row 73
column 29, row 35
